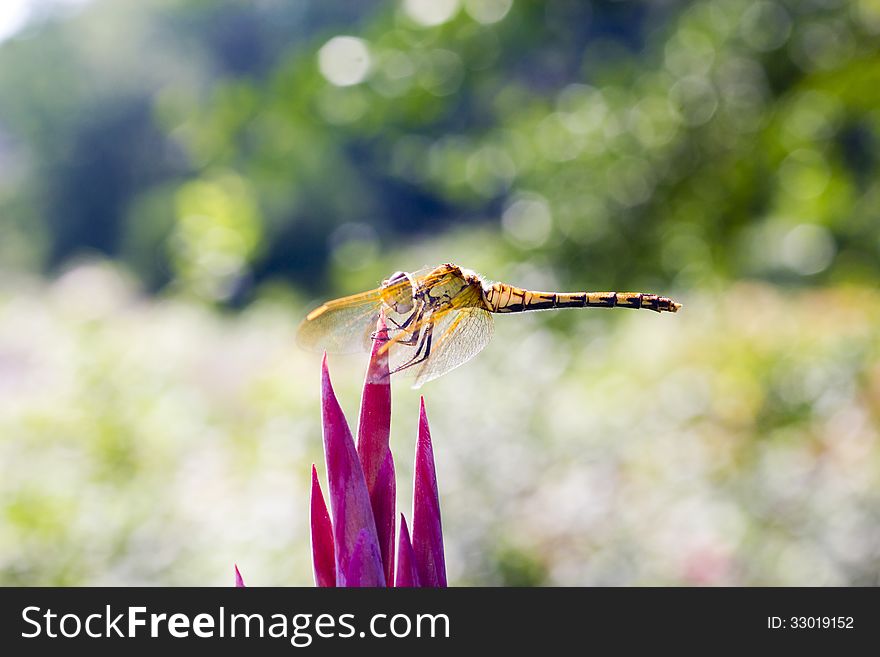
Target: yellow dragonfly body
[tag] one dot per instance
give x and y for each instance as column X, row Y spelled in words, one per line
column 441, row 318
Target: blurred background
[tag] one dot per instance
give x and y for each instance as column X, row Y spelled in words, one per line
column 180, row 180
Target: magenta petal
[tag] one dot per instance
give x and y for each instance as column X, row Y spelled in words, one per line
column 406, row 560
column 239, row 582
column 363, row 561
column 353, row 525
column 383, row 497
column 427, row 534
column 323, row 554
column 374, row 431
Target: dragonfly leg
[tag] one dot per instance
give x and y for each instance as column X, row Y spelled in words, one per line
column 410, row 341
column 408, row 321
column 424, row 343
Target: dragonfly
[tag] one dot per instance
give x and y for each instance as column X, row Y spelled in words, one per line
column 439, row 318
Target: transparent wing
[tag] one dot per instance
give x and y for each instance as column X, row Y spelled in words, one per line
column 457, row 336
column 345, row 325
column 341, row 328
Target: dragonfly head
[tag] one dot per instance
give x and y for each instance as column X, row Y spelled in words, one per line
column 399, row 297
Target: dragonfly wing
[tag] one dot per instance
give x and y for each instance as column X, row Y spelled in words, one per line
column 340, row 327
column 346, row 325
column 457, row 336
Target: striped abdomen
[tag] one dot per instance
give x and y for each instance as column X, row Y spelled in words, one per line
column 503, row 298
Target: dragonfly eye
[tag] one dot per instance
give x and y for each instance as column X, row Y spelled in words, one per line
column 396, row 277
column 401, row 301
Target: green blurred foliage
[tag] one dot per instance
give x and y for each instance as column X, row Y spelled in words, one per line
column 614, row 143
column 162, row 162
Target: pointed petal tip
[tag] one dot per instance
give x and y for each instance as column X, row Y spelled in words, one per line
column 407, row 572
column 323, row 549
column 239, row 582
column 427, row 532
column 326, row 385
column 381, row 327
column 424, row 437
column 377, row 369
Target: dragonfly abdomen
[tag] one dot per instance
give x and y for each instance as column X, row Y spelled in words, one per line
column 503, row 298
